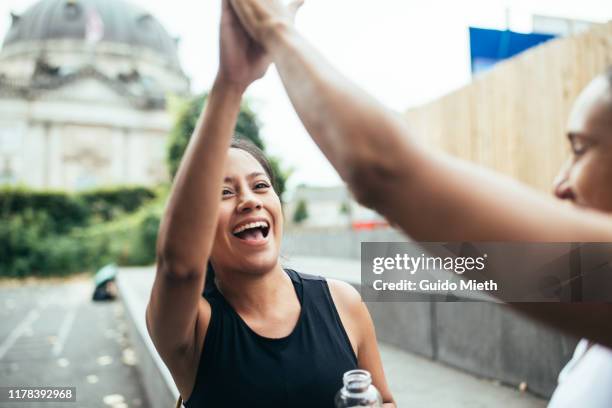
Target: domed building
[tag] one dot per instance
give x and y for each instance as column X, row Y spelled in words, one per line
column 83, row 89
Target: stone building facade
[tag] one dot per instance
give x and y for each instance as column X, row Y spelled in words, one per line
column 83, row 91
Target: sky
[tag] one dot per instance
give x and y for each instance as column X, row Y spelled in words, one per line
column 403, row 52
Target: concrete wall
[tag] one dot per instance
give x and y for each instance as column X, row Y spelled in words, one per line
column 341, row 243
column 482, row 338
column 486, row 339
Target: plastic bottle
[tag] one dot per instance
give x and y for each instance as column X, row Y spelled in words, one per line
column 358, row 391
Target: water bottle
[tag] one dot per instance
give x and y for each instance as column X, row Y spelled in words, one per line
column 358, row 391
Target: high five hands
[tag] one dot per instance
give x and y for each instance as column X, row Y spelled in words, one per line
column 246, row 27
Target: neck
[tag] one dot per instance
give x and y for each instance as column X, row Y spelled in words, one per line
column 254, row 293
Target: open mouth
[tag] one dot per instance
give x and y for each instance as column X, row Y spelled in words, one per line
column 252, row 232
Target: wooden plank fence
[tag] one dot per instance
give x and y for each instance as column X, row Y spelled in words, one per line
column 512, row 119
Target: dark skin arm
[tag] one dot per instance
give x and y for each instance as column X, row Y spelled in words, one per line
column 177, row 315
column 431, row 196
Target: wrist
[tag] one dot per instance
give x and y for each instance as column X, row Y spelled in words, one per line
column 277, row 34
column 228, row 86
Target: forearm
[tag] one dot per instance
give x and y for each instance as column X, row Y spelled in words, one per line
column 352, row 129
column 371, row 147
column 188, row 226
column 429, row 195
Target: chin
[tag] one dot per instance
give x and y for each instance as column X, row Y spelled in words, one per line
column 258, row 264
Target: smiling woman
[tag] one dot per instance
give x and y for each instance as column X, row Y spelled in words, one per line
column 250, row 215
column 283, row 338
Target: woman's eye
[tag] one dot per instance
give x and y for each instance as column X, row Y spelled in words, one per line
column 261, row 185
column 579, row 146
column 226, row 192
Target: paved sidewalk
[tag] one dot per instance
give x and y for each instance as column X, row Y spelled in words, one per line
column 414, row 381
column 418, row 382
column 52, row 334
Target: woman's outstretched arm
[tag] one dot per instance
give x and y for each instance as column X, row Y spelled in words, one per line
column 177, row 314
column 431, row 196
column 188, row 226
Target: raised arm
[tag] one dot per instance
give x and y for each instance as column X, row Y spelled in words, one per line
column 431, row 196
column 177, row 314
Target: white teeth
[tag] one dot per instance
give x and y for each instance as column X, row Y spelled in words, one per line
column 256, row 224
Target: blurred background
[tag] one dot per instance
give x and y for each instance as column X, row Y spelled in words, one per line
column 98, row 99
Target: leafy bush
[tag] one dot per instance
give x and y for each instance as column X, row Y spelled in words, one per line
column 63, row 211
column 301, row 212
column 139, row 244
column 109, row 203
column 20, row 243
column 67, row 211
column 42, row 240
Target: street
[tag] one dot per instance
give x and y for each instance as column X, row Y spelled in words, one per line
column 54, row 335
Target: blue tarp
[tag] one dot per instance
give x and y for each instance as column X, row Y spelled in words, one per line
column 488, row 47
column 107, row 273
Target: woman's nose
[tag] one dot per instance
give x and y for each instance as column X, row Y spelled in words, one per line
column 248, row 202
column 561, row 186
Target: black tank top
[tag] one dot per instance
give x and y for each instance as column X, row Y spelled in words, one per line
column 239, row 368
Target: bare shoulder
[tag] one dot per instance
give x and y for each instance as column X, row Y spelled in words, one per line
column 353, row 312
column 360, row 330
column 344, row 293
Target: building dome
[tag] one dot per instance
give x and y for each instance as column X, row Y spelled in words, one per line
column 116, row 21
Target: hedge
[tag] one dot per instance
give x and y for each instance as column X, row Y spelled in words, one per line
column 67, row 211
column 52, row 233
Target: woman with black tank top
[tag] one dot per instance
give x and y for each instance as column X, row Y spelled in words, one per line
column 260, row 335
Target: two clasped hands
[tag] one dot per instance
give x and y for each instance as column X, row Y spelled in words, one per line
column 250, row 30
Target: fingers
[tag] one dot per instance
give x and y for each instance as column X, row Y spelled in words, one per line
column 254, row 14
column 242, row 15
column 238, row 7
column 230, row 14
column 227, row 13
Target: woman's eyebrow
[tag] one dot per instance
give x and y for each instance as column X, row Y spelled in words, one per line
column 230, row 179
column 584, row 136
column 256, row 174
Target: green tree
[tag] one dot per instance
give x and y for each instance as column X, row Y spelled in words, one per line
column 345, row 208
column 301, row 212
column 247, row 127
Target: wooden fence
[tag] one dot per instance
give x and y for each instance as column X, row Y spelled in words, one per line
column 513, row 118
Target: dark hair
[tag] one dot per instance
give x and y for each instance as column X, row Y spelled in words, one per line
column 259, row 155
